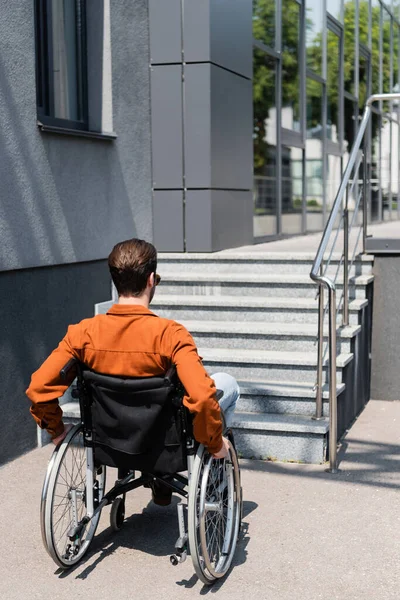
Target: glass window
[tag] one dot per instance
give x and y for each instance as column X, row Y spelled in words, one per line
column 333, row 179
column 363, row 81
column 386, row 51
column 333, row 81
column 314, row 28
column 385, row 178
column 376, row 32
column 395, row 59
column 350, row 125
column 264, row 21
column 363, row 21
column 264, row 143
column 349, row 46
column 334, row 7
column 61, row 73
column 291, row 65
column 292, row 190
column 375, row 167
column 314, row 156
column 394, row 156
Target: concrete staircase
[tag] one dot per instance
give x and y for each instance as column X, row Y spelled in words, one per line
column 254, row 315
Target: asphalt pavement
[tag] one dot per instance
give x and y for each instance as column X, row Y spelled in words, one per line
column 306, row 534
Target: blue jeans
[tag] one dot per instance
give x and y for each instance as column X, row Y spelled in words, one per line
column 231, row 390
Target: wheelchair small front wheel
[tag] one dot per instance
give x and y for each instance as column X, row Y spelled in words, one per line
column 117, row 514
column 64, row 500
column 214, row 513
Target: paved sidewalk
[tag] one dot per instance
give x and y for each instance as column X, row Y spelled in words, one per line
column 307, row 534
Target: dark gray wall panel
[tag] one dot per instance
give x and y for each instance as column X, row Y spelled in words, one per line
column 219, row 31
column 218, row 129
column 218, row 219
column 165, row 31
column 166, row 124
column 385, row 377
column 197, row 126
column 198, row 224
column 168, row 220
column 231, row 130
column 231, row 35
column 196, row 30
column 67, row 199
column 44, row 302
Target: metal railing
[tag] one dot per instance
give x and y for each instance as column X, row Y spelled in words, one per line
column 350, row 184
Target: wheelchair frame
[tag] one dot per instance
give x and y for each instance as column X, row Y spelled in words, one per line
column 212, row 487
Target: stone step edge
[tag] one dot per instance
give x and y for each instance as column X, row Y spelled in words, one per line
column 285, row 423
column 265, row 329
column 268, row 357
column 242, row 302
column 249, row 421
column 278, row 389
column 224, row 256
column 265, row 279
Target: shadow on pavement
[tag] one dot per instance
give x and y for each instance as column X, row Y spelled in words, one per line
column 153, row 531
column 364, row 462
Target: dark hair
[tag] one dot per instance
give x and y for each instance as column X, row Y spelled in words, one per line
column 130, row 263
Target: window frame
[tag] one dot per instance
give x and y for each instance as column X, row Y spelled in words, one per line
column 44, row 74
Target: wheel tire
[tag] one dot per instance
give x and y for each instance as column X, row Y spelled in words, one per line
column 214, row 489
column 117, row 514
column 67, row 471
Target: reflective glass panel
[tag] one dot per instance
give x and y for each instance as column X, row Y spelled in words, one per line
column 363, row 21
column 349, row 46
column 333, row 179
column 333, row 80
column 314, row 156
column 386, row 53
column 65, row 72
column 334, row 7
column 394, row 156
column 264, row 143
column 291, row 65
column 350, row 124
column 375, row 48
column 385, row 179
column 292, row 189
column 395, row 59
column 375, row 168
column 264, row 21
column 314, row 25
column 363, row 83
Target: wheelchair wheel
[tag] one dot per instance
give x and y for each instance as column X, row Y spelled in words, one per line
column 64, row 500
column 117, row 514
column 214, row 513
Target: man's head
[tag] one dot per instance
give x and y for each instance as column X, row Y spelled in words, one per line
column 133, row 265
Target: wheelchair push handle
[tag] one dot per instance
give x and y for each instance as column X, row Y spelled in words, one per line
column 66, row 368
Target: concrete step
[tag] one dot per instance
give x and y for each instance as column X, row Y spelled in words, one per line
column 265, row 364
column 253, row 262
column 282, row 397
column 265, row 336
column 250, row 284
column 280, row 437
column 239, row 308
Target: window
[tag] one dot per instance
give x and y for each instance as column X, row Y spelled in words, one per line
column 291, row 90
column 61, row 76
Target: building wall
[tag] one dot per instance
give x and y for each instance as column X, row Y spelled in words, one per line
column 69, row 199
column 65, row 200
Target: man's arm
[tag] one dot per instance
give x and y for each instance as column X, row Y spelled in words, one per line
column 200, row 388
column 46, row 387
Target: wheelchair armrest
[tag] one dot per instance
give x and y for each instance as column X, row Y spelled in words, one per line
column 170, row 376
column 64, row 371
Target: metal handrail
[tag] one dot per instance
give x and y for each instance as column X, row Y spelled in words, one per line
column 319, row 276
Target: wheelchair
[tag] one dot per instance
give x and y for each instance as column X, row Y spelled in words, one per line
column 139, row 426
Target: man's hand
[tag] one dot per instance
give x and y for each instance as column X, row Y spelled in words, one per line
column 224, row 452
column 62, row 435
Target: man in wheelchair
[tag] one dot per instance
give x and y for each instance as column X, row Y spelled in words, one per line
column 131, row 341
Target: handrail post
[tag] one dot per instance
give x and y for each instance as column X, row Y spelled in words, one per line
column 365, row 201
column 333, row 467
column 346, row 259
column 321, row 310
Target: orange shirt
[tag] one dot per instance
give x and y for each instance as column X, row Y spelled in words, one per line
column 129, row 341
